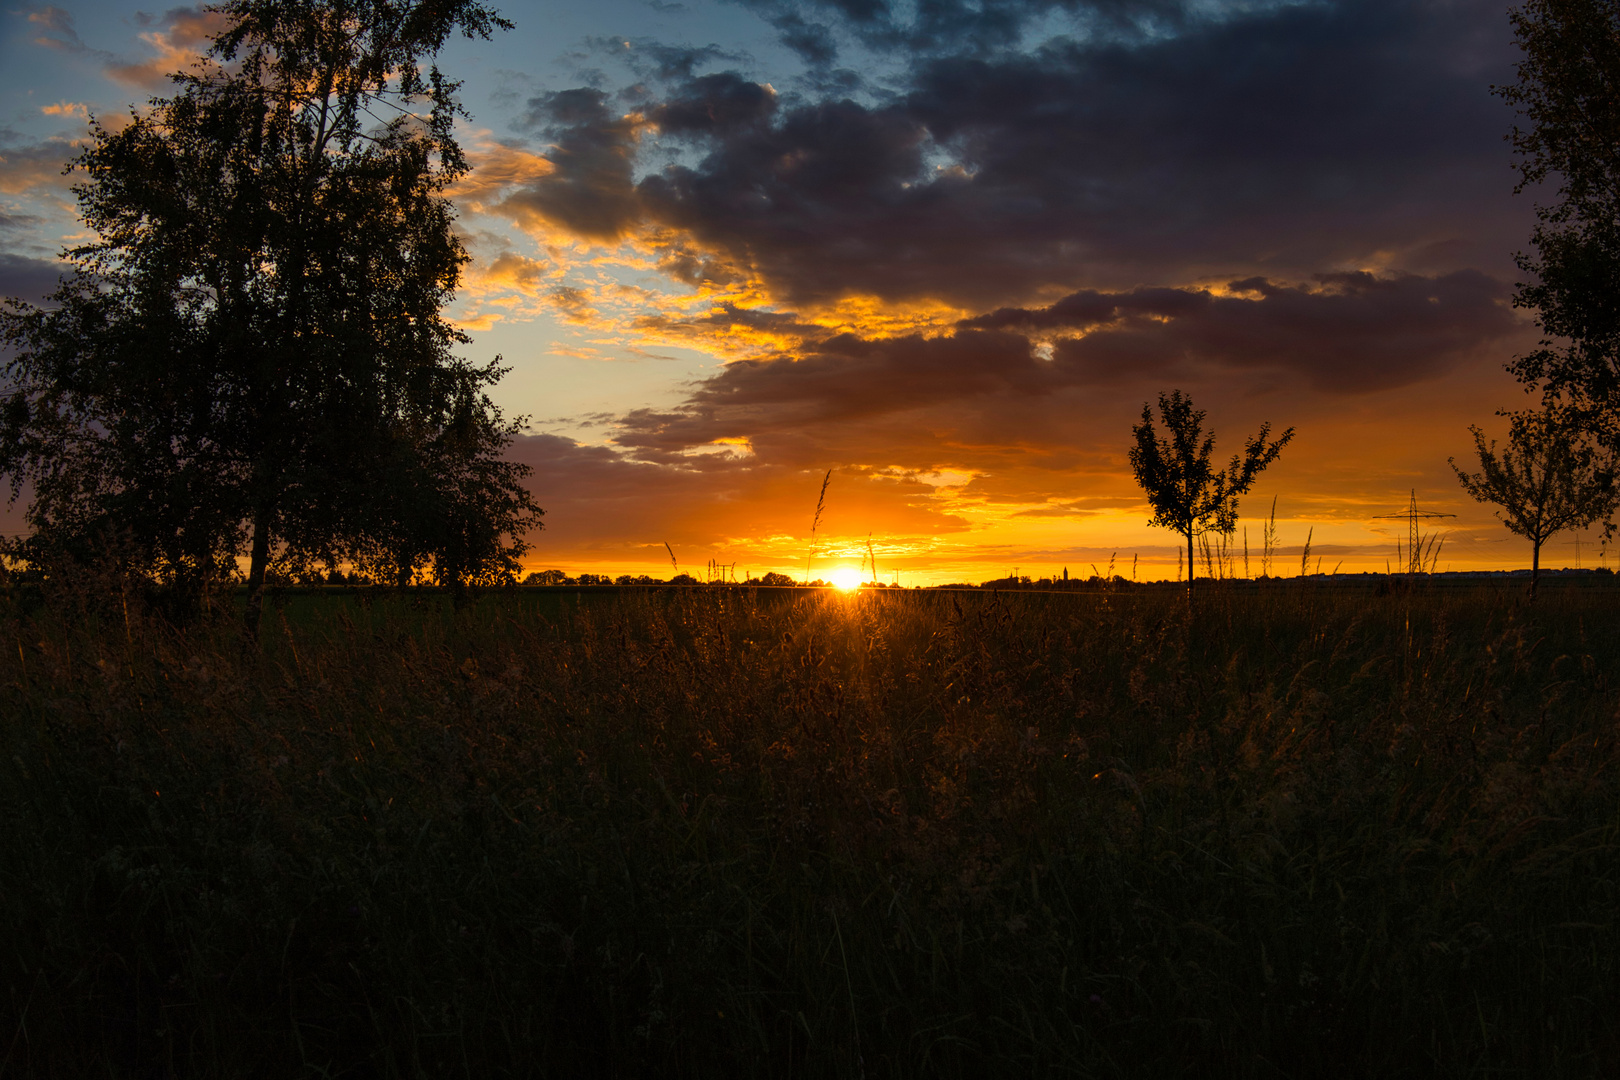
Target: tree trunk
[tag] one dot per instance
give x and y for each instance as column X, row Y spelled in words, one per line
column 1535, row 565
column 1189, row 562
column 258, row 563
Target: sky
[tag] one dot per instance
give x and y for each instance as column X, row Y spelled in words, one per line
column 944, row 250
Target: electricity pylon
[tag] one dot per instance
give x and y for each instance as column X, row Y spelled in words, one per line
column 1412, row 515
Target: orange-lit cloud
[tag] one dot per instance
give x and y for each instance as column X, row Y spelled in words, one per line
column 36, row 166
column 177, row 40
column 55, row 29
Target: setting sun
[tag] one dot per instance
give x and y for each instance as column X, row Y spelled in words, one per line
column 847, row 578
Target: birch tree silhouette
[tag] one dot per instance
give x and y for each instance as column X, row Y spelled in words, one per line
column 253, row 342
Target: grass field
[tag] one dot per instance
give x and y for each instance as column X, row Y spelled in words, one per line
column 1297, row 832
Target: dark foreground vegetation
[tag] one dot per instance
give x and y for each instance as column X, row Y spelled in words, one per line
column 711, row 832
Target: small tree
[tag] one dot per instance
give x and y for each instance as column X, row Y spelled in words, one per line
column 1187, row 494
column 1550, row 477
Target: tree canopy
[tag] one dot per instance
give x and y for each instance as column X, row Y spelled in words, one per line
column 1548, row 478
column 1186, row 492
column 252, row 351
column 1568, row 95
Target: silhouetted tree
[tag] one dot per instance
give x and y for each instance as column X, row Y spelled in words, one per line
column 1187, row 493
column 1547, row 479
column 1568, row 91
column 258, row 319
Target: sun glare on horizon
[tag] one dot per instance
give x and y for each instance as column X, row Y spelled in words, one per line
column 847, row 578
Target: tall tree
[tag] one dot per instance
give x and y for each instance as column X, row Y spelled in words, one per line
column 1549, row 478
column 1568, row 95
column 258, row 321
column 1186, row 492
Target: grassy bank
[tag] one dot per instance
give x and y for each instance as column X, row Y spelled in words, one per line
column 686, row 832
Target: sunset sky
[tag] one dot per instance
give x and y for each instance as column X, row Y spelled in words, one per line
column 945, row 249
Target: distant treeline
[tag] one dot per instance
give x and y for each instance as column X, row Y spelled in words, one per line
column 557, row 578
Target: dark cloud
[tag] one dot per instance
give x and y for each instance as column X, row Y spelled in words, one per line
column 1346, row 334
column 729, row 318
column 978, row 26
column 715, row 105
column 12, row 221
column 812, row 41
column 1275, row 140
column 593, row 149
column 657, row 60
column 26, row 279
column 1353, row 334
column 1088, row 308
column 821, row 194
column 844, row 379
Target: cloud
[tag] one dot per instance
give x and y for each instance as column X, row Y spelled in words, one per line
column 1348, row 332
column 55, row 29
column 1274, row 139
column 588, row 188
column 67, row 108
column 963, row 26
column 29, row 166
column 178, row 39
column 1344, row 334
column 515, row 271
column 715, row 105
column 26, row 279
column 813, row 42
column 496, row 167
column 15, row 221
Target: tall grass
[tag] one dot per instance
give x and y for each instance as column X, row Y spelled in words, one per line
column 710, row 832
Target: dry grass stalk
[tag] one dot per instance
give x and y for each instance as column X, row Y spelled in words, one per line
column 815, row 523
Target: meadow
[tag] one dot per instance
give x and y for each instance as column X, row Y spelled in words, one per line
column 1292, row 831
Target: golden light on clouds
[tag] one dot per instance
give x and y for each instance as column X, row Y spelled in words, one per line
column 177, row 46
column 641, row 284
